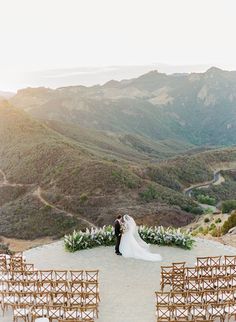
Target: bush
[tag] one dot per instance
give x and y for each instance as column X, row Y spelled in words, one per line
column 208, row 211
column 228, row 206
column 83, row 198
column 149, row 194
column 196, row 210
column 218, row 220
column 205, row 199
column 212, row 226
column 229, row 223
column 105, row 236
column 206, row 220
column 216, row 232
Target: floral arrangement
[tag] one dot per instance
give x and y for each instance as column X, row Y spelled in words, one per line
column 105, row 236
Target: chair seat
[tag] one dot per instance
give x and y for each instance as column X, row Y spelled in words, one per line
column 198, row 312
column 42, row 320
column 214, row 311
column 21, row 312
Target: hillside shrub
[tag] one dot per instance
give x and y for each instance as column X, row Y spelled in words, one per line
column 206, row 220
column 229, row 223
column 228, row 206
column 218, row 220
column 205, row 199
column 149, row 194
column 105, row 236
column 83, row 197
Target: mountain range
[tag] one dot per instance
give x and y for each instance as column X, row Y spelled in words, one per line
column 76, row 156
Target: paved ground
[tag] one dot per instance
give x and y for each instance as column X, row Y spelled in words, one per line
column 127, row 285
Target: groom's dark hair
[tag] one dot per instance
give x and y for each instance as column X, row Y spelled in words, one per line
column 119, row 217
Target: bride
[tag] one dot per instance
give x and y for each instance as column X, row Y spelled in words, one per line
column 132, row 245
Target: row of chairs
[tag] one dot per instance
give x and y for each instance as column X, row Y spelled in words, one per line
column 29, row 273
column 59, row 286
column 26, row 313
column 202, row 312
column 65, row 299
column 195, row 297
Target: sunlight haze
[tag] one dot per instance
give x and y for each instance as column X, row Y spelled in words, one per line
column 44, row 35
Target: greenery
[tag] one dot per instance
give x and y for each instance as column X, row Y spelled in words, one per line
column 206, row 200
column 105, row 236
column 206, row 220
column 149, row 194
column 218, row 221
column 229, row 223
column 228, row 206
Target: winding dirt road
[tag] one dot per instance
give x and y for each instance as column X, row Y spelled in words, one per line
column 38, row 193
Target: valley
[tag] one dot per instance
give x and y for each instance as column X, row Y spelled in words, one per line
column 75, row 157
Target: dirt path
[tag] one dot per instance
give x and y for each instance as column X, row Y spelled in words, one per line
column 38, row 194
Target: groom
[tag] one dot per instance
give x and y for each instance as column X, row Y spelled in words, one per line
column 118, row 233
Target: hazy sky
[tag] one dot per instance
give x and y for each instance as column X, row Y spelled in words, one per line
column 48, row 34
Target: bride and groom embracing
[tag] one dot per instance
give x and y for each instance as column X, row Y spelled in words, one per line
column 128, row 241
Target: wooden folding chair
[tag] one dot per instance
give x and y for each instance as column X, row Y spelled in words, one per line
column 208, row 284
column 217, row 311
column 75, row 299
column 91, row 276
column 21, row 312
column 32, row 276
column 230, row 260
column 18, row 276
column 178, row 298
column 199, row 311
column 38, row 311
column 162, row 298
column 45, row 287
column 214, row 261
column 77, row 287
column 91, row 288
column 166, row 276
column 55, row 312
column 193, row 285
column 191, row 273
column 210, row 297
column 72, row 313
column 15, row 287
column 181, row 311
column 164, row 313
column 88, row 314
column 42, row 298
column 205, row 272
column 202, row 261
column 59, row 298
column 26, row 299
column 223, row 282
column 77, row 276
column 226, row 296
column 27, row 267
column 60, row 286
column 194, row 298
column 61, row 275
column 9, row 299
column 29, row 287
column 46, row 275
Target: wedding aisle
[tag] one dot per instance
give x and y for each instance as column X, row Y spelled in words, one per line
column 127, row 286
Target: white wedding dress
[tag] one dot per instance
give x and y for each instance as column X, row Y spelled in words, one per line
column 132, row 245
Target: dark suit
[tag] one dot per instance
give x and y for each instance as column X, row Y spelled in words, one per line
column 118, row 233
